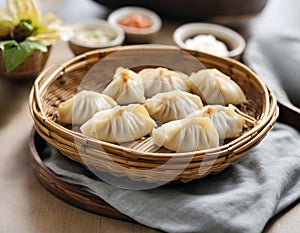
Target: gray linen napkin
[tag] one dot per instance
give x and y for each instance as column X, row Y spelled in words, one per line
column 240, row 199
column 246, row 195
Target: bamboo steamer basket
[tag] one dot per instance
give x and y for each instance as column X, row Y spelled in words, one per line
column 140, row 160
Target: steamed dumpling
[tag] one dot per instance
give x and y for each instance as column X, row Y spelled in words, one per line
column 172, row 105
column 120, row 124
column 227, row 122
column 216, row 87
column 83, row 106
column 126, row 87
column 189, row 134
column 158, row 80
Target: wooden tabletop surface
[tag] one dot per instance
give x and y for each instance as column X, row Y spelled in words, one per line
column 25, row 206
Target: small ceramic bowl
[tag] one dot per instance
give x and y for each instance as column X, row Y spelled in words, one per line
column 136, row 34
column 234, row 42
column 95, row 34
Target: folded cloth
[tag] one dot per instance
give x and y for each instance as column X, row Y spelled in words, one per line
column 246, row 195
column 241, row 199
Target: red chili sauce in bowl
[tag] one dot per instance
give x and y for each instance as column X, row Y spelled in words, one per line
column 135, row 20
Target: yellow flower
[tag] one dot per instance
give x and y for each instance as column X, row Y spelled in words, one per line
column 23, row 30
column 23, row 10
column 47, row 28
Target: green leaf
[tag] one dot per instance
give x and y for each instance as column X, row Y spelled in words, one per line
column 4, row 45
column 36, row 45
column 27, row 26
column 16, row 53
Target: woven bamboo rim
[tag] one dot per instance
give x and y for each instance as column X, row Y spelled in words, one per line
column 50, row 87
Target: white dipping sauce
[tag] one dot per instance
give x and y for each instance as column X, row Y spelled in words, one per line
column 93, row 36
column 208, row 44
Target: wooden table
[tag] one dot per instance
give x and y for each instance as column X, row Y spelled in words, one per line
column 25, row 206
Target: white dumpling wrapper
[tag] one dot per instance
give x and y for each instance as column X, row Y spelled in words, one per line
column 83, row 106
column 186, row 135
column 172, row 105
column 158, row 80
column 120, row 124
column 126, row 87
column 227, row 122
column 216, row 87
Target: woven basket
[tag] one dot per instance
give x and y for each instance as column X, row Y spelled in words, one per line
column 138, row 160
column 30, row 68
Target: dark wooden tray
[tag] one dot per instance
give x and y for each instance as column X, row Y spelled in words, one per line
column 80, row 198
column 67, row 192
